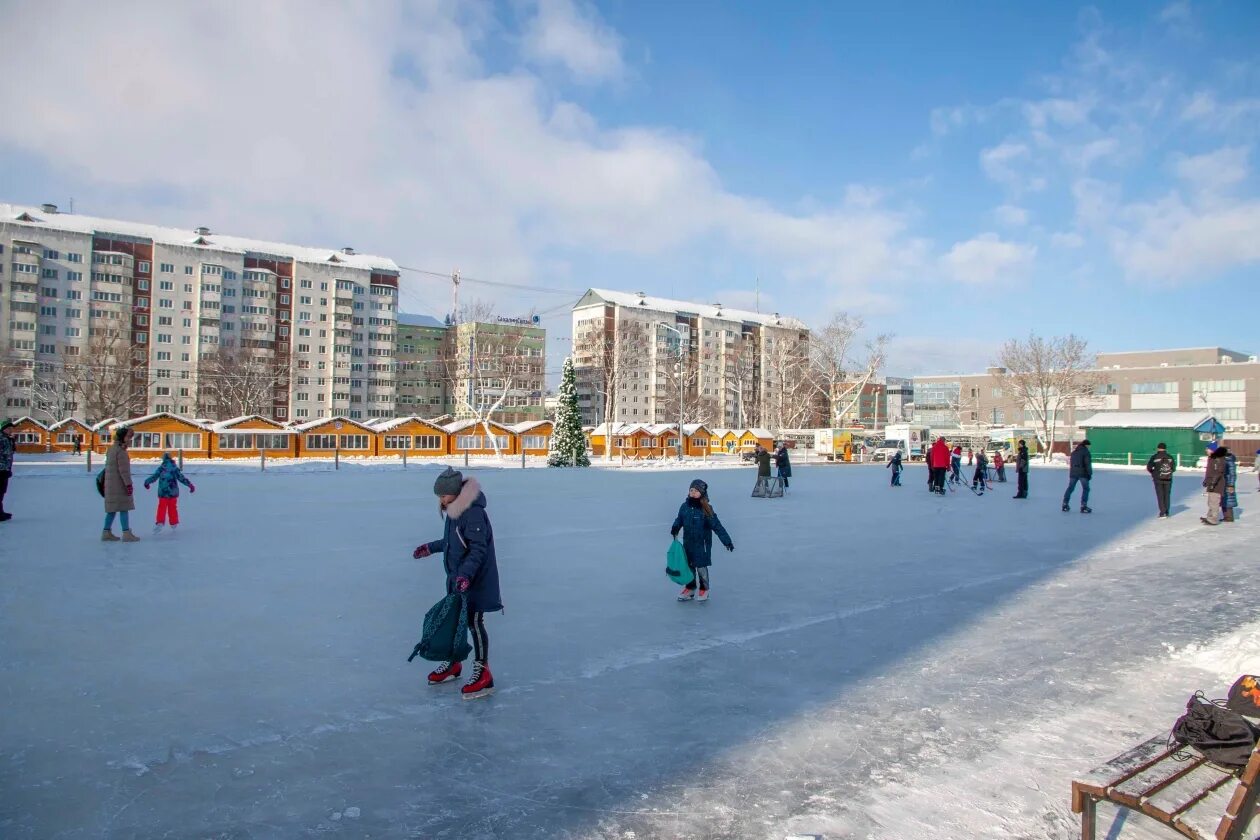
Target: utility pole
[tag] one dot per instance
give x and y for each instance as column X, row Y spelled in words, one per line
column 678, row 332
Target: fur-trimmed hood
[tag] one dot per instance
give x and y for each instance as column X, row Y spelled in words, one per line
column 470, row 494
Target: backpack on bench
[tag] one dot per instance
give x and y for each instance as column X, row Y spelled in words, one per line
column 1223, row 736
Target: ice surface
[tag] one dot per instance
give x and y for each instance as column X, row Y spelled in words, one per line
column 875, row 662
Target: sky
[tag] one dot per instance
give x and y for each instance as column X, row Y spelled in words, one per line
column 955, row 174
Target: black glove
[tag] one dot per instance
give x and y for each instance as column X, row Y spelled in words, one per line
column 673, row 533
column 731, row 547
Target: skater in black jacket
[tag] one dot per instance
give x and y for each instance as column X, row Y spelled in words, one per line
column 1161, row 466
column 894, row 464
column 1021, row 471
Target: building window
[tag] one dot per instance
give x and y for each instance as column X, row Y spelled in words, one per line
column 319, row 441
column 145, row 440
column 428, row 441
column 398, row 441
column 1216, row 386
column 74, row 258
column 183, row 440
column 188, row 269
column 1154, row 388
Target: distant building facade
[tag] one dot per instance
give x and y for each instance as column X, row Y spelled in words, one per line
column 738, row 366
column 1224, row 382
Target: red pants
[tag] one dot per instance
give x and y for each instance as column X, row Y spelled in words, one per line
column 168, row 506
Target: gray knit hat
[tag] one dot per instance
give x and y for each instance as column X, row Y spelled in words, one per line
column 448, row 483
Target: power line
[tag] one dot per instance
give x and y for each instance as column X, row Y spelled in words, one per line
column 465, row 279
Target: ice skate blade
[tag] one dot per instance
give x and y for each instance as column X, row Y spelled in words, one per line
column 477, row 695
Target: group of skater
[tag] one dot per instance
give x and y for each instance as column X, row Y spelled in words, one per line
column 945, row 468
column 117, row 489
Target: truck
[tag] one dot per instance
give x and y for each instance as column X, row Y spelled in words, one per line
column 835, row 444
column 911, row 439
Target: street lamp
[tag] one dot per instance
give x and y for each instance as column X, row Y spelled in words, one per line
column 680, row 384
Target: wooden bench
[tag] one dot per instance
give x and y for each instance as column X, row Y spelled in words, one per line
column 1192, row 796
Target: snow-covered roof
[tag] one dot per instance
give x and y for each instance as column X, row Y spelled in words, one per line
column 30, row 420
column 226, row 425
column 303, row 427
column 716, row 432
column 760, row 433
column 394, row 423
column 460, row 425
column 410, row 319
column 76, row 223
column 706, row 310
column 521, row 428
column 55, row 426
column 692, row 428
column 123, row 424
column 104, row 424
column 1195, row 420
column 661, row 428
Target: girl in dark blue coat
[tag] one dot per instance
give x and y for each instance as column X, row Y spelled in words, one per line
column 698, row 522
column 467, row 549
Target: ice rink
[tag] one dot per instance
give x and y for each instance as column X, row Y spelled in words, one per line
column 875, row 662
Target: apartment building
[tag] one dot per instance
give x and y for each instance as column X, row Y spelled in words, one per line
column 737, row 368
column 500, row 362
column 184, row 312
column 423, row 389
column 1213, row 379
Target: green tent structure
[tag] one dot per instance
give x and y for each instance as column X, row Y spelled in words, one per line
column 1130, row 437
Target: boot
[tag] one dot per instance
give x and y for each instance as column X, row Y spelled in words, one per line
column 688, row 594
column 157, row 529
column 445, row 672
column 480, row 684
column 703, row 596
column 1085, row 509
column 1066, row 507
column 108, row 536
column 129, row 537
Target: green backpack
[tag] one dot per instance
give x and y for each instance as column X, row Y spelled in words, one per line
column 676, row 564
column 445, row 634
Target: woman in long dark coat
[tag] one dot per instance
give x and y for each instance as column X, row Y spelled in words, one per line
column 783, row 462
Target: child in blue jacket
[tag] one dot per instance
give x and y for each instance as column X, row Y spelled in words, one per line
column 698, row 522
column 168, row 477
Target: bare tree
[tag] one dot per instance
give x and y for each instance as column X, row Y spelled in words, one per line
column 52, row 393
column 690, row 372
column 839, row 372
column 789, row 393
column 741, row 384
column 233, row 382
column 606, row 357
column 103, row 380
column 1045, row 376
column 491, row 368
column 16, row 381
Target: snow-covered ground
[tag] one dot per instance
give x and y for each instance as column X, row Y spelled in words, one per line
column 875, row 662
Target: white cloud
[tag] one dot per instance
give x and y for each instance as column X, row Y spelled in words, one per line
column 1067, row 239
column 1002, row 163
column 439, row 164
column 1205, row 110
column 987, row 258
column 1170, row 241
column 1085, row 155
column 1010, row 215
column 918, row 355
column 1215, row 172
column 573, row 36
column 1176, row 12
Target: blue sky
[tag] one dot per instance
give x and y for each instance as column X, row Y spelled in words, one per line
column 956, row 173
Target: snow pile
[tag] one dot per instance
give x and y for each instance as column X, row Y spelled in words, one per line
column 1226, row 658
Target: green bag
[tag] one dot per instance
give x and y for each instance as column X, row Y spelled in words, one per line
column 100, row 483
column 676, row 564
column 445, row 634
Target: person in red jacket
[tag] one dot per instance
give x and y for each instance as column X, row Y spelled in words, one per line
column 938, row 461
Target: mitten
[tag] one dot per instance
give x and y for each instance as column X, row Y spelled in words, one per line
column 146, row 485
column 462, row 583
column 421, row 551
column 128, row 489
column 192, row 488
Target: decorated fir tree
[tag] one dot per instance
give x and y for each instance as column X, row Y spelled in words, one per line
column 568, row 444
